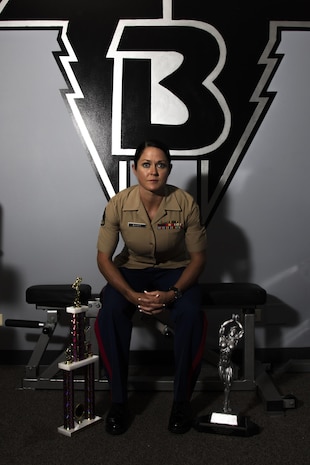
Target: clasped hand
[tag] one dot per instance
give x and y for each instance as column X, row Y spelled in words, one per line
column 152, row 302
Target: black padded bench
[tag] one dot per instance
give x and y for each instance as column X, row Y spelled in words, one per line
column 53, row 299
column 236, row 297
column 56, row 295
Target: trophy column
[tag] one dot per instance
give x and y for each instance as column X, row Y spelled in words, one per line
column 78, row 356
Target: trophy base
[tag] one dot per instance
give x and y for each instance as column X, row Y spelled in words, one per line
column 228, row 424
column 77, row 427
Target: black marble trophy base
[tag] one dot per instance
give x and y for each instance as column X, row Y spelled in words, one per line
column 233, row 425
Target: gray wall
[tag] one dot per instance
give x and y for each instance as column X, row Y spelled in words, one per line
column 266, row 209
column 51, row 201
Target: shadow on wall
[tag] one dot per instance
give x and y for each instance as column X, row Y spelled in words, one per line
column 229, row 260
column 228, row 254
column 9, row 279
column 9, row 292
column 1, row 253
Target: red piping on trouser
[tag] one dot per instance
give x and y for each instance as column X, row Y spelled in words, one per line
column 102, row 351
column 200, row 351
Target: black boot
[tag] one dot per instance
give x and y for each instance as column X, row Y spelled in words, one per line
column 117, row 420
column 180, row 419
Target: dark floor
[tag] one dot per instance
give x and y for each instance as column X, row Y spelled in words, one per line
column 29, row 420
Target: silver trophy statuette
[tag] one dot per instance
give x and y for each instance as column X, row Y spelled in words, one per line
column 231, row 331
column 226, row 422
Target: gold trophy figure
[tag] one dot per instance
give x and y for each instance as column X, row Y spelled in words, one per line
column 76, row 286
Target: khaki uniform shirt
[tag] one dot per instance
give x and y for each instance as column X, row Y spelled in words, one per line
column 164, row 242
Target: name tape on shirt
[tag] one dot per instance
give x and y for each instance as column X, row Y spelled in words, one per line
column 136, row 225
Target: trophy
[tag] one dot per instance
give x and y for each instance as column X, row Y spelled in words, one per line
column 78, row 355
column 227, row 422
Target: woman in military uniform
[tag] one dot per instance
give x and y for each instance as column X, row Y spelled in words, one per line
column 163, row 256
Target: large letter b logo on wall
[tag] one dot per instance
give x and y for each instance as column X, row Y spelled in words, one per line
column 164, row 86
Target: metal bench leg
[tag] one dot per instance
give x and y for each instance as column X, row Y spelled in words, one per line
column 48, row 330
column 249, row 344
column 257, row 372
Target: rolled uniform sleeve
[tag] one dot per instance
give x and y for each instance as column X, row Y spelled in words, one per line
column 195, row 235
column 108, row 236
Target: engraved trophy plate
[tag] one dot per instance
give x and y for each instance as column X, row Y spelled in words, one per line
column 227, row 422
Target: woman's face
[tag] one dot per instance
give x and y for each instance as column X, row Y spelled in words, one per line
column 152, row 170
